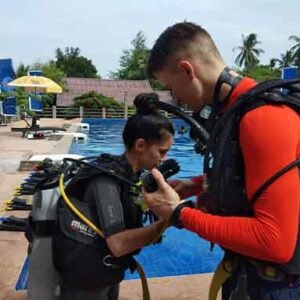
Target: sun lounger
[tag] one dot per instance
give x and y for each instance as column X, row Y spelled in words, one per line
column 82, row 126
column 77, row 136
column 35, row 127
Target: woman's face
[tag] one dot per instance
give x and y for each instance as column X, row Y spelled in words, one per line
column 153, row 154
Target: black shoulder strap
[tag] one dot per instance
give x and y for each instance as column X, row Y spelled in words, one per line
column 293, row 164
column 283, row 88
column 269, row 93
column 106, row 165
column 269, row 85
column 225, row 78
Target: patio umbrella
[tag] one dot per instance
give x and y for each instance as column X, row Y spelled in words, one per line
column 37, row 84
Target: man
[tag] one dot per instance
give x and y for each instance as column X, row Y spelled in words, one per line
column 186, row 60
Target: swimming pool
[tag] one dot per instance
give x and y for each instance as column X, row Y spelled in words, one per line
column 181, row 252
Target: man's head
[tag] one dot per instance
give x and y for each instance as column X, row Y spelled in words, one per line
column 187, row 61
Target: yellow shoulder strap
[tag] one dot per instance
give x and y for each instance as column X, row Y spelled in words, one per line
column 222, row 273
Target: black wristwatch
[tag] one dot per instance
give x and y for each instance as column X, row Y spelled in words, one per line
column 174, row 219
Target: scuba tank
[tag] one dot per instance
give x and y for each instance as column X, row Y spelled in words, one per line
column 43, row 279
column 44, row 210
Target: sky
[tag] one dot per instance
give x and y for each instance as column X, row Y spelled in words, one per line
column 31, row 30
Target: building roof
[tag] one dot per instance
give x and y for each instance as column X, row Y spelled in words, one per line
column 120, row 90
column 165, row 96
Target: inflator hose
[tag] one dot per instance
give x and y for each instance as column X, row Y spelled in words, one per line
column 199, row 130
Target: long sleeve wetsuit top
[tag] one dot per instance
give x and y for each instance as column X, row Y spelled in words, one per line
column 269, row 139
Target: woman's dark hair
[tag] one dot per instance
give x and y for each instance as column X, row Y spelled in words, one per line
column 148, row 123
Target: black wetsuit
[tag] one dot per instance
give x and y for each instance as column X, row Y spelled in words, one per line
column 109, row 203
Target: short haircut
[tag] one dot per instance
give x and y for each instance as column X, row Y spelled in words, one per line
column 180, row 39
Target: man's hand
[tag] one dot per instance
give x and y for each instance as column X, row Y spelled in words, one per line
column 163, row 201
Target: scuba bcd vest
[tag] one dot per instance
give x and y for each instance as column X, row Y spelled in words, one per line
column 79, row 254
column 224, row 180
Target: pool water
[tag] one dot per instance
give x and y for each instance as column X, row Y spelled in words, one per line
column 181, row 252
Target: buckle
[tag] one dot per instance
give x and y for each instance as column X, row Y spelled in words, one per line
column 108, row 262
column 270, row 273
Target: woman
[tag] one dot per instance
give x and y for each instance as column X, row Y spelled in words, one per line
column 92, row 267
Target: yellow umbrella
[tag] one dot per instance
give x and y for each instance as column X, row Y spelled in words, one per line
column 37, row 84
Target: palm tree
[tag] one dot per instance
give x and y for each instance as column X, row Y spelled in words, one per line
column 248, row 56
column 295, row 49
column 286, row 59
column 272, row 63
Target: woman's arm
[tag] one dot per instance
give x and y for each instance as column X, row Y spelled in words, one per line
column 130, row 240
column 106, row 192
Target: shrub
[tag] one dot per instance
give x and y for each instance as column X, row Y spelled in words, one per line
column 95, row 100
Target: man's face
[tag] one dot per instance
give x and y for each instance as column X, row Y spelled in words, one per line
column 153, row 154
column 183, row 89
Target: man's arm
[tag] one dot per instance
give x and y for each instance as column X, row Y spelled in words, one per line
column 270, row 140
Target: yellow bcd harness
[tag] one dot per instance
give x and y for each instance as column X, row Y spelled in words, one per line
column 227, row 265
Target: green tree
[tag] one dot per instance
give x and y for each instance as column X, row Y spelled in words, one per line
column 295, row 50
column 272, row 63
column 133, row 61
column 261, row 73
column 22, row 70
column 249, row 54
column 50, row 70
column 73, row 64
column 95, row 100
column 286, row 59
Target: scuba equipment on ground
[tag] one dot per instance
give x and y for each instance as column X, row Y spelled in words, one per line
column 13, row 223
column 17, row 204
